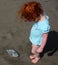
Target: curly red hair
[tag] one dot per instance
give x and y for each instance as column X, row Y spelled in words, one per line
column 31, row 11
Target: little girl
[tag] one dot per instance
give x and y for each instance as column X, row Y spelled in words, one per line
column 32, row 11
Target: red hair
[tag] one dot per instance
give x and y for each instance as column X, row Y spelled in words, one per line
column 31, row 11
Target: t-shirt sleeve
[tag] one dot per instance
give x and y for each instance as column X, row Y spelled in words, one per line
column 46, row 28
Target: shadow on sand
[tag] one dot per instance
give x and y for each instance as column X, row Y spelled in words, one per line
column 52, row 44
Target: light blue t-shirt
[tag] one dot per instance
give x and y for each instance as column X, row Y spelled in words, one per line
column 37, row 30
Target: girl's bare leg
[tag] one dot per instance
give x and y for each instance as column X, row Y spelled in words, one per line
column 35, row 57
column 33, row 51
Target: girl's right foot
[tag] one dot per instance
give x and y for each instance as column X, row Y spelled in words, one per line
column 35, row 60
column 32, row 56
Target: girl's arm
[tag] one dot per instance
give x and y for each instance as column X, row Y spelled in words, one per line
column 44, row 40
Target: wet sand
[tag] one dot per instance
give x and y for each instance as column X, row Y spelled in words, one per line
column 14, row 33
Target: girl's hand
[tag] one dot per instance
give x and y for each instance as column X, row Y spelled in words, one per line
column 39, row 50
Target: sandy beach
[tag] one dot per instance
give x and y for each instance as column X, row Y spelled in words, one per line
column 14, row 33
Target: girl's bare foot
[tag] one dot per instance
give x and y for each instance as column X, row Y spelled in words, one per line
column 35, row 60
column 32, row 56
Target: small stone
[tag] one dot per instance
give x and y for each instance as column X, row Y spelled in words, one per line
column 12, row 53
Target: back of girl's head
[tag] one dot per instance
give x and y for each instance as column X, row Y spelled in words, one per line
column 31, row 11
